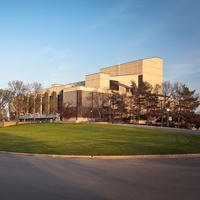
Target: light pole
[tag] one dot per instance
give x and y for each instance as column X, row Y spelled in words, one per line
column 168, row 116
column 91, row 115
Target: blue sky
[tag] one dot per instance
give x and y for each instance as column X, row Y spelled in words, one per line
column 60, row 41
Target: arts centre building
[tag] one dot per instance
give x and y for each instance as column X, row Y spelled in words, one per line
column 79, row 95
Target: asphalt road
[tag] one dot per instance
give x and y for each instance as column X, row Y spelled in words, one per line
column 48, row 178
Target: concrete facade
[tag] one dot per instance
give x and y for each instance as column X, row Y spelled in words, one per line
column 149, row 70
column 117, row 77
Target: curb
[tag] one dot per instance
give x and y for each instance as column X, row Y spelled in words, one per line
column 104, row 157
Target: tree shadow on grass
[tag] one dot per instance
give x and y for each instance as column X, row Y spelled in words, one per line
column 20, row 144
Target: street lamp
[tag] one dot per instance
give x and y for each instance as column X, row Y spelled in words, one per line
column 91, row 115
column 168, row 116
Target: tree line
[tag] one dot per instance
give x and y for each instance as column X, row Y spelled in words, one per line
column 19, row 97
column 169, row 104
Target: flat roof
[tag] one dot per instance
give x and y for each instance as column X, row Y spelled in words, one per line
column 131, row 62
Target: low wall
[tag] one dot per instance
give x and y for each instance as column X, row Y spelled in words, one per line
column 4, row 124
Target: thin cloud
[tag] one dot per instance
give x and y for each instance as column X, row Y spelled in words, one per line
column 123, row 8
column 97, row 24
column 183, row 70
column 63, row 74
column 50, row 51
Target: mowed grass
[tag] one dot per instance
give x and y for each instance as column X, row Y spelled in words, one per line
column 95, row 139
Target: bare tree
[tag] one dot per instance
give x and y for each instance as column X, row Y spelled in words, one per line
column 112, row 105
column 99, row 101
column 5, row 96
column 45, row 103
column 18, row 90
column 67, row 111
column 53, row 103
column 35, row 89
column 26, row 105
column 166, row 99
column 31, row 99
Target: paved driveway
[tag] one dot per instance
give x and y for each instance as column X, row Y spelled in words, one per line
column 189, row 131
column 47, row 178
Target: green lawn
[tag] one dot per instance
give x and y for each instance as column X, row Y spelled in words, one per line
column 95, row 139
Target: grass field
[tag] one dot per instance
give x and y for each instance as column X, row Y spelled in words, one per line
column 95, row 139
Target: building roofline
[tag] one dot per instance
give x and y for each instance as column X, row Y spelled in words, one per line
column 97, row 73
column 131, row 62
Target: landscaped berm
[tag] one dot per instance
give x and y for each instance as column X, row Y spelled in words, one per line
column 95, row 139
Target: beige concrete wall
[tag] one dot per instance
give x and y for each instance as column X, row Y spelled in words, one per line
column 92, row 80
column 70, row 97
column 86, row 99
column 98, row 80
column 55, row 88
column 122, row 89
column 134, row 68
column 5, row 124
column 153, row 70
column 126, row 80
column 104, row 81
column 150, row 68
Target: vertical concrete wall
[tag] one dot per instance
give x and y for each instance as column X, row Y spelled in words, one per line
column 153, row 70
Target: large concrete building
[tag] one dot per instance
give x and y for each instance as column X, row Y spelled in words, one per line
column 149, row 70
column 117, row 77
